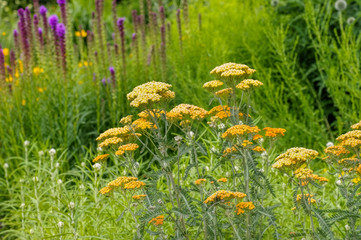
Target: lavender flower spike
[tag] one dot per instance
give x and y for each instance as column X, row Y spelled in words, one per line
column 60, row 30
column 53, row 22
column 15, row 33
column 61, row 2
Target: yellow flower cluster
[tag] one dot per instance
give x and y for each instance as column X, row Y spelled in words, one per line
column 200, row 181
column 126, row 120
column 352, row 142
column 130, row 147
column 151, row 113
column 134, row 185
column 142, row 124
column 356, row 126
column 101, row 158
column 258, row 149
column 212, row 85
column 157, row 220
column 106, row 190
column 274, row 132
column 150, row 93
column 187, row 111
column 37, row 71
column 222, row 180
column 336, row 151
column 224, row 195
column 113, row 132
column 138, row 197
column 248, row 83
column 307, row 196
column 348, row 161
column 232, row 70
column 355, row 134
column 239, row 130
column 81, row 33
column 242, row 206
column 294, row 157
column 120, row 181
column 110, row 141
column 306, row 175
column 257, row 136
column 230, row 150
column 224, row 93
column 245, row 143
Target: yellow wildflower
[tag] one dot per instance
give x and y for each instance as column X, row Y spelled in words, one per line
column 294, row 157
column 274, row 132
column 245, row 143
column 224, row 195
column 242, row 206
column 239, row 130
column 307, row 196
column 100, row 158
column 77, row 34
column 336, row 150
column 6, row 52
column 222, row 180
column 130, row 147
column 355, row 134
column 121, row 181
column 110, row 141
column 23, row 102
column 37, row 71
column 258, row 149
column 230, row 150
column 248, row 83
column 138, row 197
column 142, row 124
column 212, row 85
column 351, row 142
column 134, row 185
column 4, row 34
column 186, row 111
column 83, row 33
column 106, row 190
column 224, row 93
column 151, row 113
column 113, row 132
column 356, row 126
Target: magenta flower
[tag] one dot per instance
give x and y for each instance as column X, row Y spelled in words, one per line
column 53, row 21
column 43, row 10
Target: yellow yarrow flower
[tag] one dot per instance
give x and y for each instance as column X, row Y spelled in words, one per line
column 212, row 85
column 224, row 195
column 356, row 126
column 110, row 141
column 200, row 181
column 157, row 220
column 224, row 93
column 134, row 185
column 139, row 197
column 239, row 131
column 187, row 111
column 248, row 83
column 242, row 206
column 274, row 132
column 294, row 157
column 102, row 157
column 222, row 180
column 130, row 147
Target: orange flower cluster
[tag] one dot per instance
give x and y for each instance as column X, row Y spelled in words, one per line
column 126, row 120
column 157, row 221
column 102, row 157
column 151, row 113
column 239, row 130
column 122, row 182
column 242, row 206
column 224, row 195
column 258, row 149
column 138, row 197
column 200, row 181
column 228, row 151
column 294, row 157
column 134, row 185
column 142, row 124
column 274, row 132
column 334, row 151
column 222, row 180
column 306, row 175
column 307, row 196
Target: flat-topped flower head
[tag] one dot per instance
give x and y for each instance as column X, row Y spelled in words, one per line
column 306, row 196
column 294, row 158
column 222, row 180
column 306, row 175
column 130, row 147
column 248, row 84
column 239, row 131
column 258, row 149
column 134, row 185
column 106, row 190
column 187, row 111
column 121, row 181
column 356, row 126
column 151, row 113
column 228, row 66
column 212, row 85
column 110, row 142
column 351, row 143
column 243, row 206
column 126, row 120
column 157, row 221
column 274, row 132
column 99, row 158
column 113, row 132
column 348, row 161
column 139, row 197
column 200, row 181
column 149, row 94
column 224, row 195
column 336, row 151
column 356, row 134
column 224, row 93
column 143, row 124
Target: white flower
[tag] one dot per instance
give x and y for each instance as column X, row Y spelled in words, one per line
column 338, row 182
column 264, row 154
column 71, row 205
column 350, row 20
column 152, row 207
column 261, row 140
column 213, row 149
column 6, row 166
column 21, row 180
column 191, row 134
column 97, row 166
column 82, row 164
column 31, row 231
column 81, row 186
column 22, row 205
column 240, row 123
column 261, row 170
column 57, row 165
column 41, row 153
column 60, row 181
column 221, row 126
column 329, row 144
column 99, row 149
column 212, row 124
column 340, row 5
column 227, row 174
column 160, row 201
column 26, row 143
column 35, row 179
column 236, row 168
column 60, row 224
column 207, row 168
column 178, row 139
column 52, row 152
column 347, row 227
column 136, row 164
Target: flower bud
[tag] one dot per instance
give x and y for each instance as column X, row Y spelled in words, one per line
column 60, row 181
column 60, row 224
column 26, row 143
column 6, row 166
column 71, row 205
column 52, row 152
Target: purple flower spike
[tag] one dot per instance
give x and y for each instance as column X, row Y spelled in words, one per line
column 21, row 12
column 120, row 22
column 104, row 81
column 16, row 33
column 61, row 2
column 53, row 21
column 134, row 36
column 40, row 31
column 43, row 10
column 60, row 30
column 111, row 70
